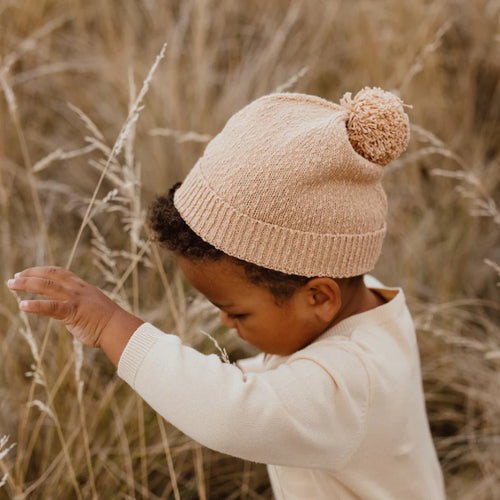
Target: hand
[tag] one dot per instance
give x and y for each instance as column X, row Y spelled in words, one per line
column 87, row 313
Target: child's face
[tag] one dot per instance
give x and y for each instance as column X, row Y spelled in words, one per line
column 251, row 309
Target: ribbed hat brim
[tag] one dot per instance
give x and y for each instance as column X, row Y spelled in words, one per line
column 274, row 247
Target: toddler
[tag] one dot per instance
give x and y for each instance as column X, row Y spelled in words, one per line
column 277, row 225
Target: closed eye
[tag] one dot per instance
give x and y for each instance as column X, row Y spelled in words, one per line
column 236, row 316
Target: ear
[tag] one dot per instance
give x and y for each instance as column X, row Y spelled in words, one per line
column 324, row 297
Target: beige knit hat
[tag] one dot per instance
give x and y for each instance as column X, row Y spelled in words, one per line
column 293, row 182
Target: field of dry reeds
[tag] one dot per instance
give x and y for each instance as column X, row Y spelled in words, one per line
column 97, row 116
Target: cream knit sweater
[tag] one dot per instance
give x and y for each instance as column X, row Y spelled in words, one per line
column 343, row 418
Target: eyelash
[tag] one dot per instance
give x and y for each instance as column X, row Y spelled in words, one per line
column 236, row 316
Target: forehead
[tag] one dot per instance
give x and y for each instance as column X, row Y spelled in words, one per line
column 222, row 281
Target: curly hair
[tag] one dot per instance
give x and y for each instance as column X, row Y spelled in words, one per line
column 170, row 230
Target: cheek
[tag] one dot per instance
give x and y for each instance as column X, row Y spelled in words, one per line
column 264, row 327
column 252, row 329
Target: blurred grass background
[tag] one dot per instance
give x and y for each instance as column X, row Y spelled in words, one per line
column 58, row 57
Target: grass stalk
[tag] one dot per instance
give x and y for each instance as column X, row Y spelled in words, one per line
column 14, row 115
column 168, row 455
column 200, row 472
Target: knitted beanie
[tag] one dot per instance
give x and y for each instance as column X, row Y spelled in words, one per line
column 293, row 182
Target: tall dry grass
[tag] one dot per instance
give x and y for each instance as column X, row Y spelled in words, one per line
column 72, row 114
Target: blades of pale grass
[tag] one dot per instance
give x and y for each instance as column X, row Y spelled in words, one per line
column 28, row 44
column 88, row 212
column 182, row 304
column 132, row 266
column 472, row 187
column 37, row 354
column 20, row 471
column 39, row 422
column 127, row 456
column 132, row 117
column 51, row 410
column 78, row 354
column 64, row 446
column 199, row 471
column 282, row 35
column 91, row 126
column 494, row 266
column 5, row 226
column 222, row 350
column 418, row 64
column 56, row 462
column 256, row 496
column 129, row 143
column 105, row 401
column 134, row 176
column 59, row 155
column 166, row 285
column 115, row 471
column 105, row 150
column 142, row 443
column 13, row 112
column 6, row 479
column 14, row 115
column 180, row 136
column 170, row 462
column 117, row 430
column 52, row 69
column 245, row 482
column 290, row 83
column 426, row 135
column 125, row 130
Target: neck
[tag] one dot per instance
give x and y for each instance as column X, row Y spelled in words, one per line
column 356, row 298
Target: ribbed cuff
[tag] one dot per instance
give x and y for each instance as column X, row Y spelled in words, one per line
column 273, row 247
column 136, row 350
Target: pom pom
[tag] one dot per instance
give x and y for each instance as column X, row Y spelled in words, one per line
column 378, row 127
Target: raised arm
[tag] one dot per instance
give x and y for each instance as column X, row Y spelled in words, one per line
column 308, row 412
column 302, row 414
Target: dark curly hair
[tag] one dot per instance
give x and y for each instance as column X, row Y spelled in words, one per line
column 170, row 230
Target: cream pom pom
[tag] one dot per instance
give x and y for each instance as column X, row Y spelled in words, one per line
column 378, row 127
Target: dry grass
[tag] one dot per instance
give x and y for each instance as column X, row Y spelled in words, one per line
column 82, row 148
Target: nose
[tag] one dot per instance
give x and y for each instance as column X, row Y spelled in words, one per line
column 229, row 322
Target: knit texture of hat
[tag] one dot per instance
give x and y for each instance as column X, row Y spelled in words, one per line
column 293, row 182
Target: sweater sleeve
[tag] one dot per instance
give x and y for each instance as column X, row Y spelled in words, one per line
column 301, row 414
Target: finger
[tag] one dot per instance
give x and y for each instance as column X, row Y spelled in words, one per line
column 54, row 309
column 41, row 286
column 47, row 272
